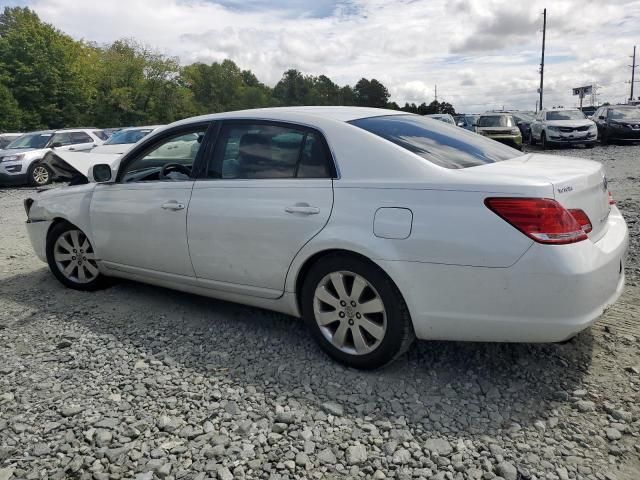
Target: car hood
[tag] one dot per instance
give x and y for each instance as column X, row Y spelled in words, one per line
column 68, row 165
column 113, row 149
column 16, row 151
column 570, row 123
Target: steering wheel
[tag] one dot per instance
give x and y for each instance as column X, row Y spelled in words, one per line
column 174, row 167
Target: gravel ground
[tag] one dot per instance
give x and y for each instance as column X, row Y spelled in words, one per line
column 142, row 382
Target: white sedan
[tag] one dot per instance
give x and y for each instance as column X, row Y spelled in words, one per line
column 374, row 226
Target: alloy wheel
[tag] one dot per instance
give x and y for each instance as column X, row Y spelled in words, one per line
column 40, row 175
column 350, row 313
column 75, row 258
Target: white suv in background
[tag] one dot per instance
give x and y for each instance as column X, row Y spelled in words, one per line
column 563, row 127
column 20, row 161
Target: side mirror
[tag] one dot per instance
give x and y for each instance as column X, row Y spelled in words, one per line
column 56, row 145
column 520, row 123
column 99, row 173
column 461, row 124
column 601, row 117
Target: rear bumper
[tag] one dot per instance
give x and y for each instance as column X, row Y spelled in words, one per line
column 549, row 295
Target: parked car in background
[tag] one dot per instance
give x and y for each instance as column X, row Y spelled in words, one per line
column 618, row 123
column 7, row 138
column 122, row 140
column 21, row 160
column 524, row 121
column 282, row 209
column 500, row 127
column 443, row 117
column 563, row 127
column 468, row 121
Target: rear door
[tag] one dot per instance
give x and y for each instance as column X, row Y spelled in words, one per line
column 81, row 141
column 267, row 191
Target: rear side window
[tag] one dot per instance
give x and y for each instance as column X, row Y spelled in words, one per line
column 444, row 145
column 268, row 151
column 100, row 134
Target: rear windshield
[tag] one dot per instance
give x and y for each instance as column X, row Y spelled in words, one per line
column 128, row 136
column 496, row 121
column 442, row 144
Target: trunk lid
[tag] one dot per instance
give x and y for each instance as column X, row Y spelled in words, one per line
column 577, row 183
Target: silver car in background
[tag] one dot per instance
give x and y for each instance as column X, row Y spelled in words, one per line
column 563, row 127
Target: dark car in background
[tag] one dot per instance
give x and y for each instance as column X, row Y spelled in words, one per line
column 467, row 121
column 523, row 121
column 618, row 123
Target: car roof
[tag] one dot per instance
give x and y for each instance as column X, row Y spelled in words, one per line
column 343, row 114
column 141, row 127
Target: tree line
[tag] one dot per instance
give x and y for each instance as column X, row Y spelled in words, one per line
column 50, row 80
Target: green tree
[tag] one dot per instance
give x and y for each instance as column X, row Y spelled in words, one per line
column 42, row 68
column 371, row 93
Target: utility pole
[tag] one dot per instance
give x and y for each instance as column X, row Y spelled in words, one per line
column 544, row 34
column 435, row 92
column 633, row 72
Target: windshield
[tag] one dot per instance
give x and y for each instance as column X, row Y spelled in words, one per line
column 625, row 114
column 437, row 142
column 566, row 115
column 30, row 140
column 128, row 136
column 496, row 121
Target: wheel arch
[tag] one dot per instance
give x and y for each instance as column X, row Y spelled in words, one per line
column 302, row 272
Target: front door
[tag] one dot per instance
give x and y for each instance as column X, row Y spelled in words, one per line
column 140, row 220
column 268, row 191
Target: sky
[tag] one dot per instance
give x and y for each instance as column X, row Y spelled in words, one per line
column 482, row 54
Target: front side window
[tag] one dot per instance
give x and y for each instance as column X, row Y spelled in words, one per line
column 100, row 134
column 267, row 151
column 80, row 137
column 170, row 159
column 566, row 115
column 436, row 142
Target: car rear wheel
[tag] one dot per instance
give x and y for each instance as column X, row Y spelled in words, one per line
column 39, row 175
column 355, row 312
column 72, row 259
column 532, row 141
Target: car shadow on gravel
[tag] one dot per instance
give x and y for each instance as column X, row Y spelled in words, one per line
column 448, row 387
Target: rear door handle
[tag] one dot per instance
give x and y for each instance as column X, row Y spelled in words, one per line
column 173, row 205
column 302, row 208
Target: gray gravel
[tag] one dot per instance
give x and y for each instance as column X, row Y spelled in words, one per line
column 140, row 382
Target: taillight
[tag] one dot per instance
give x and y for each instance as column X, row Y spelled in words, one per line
column 611, row 200
column 582, row 219
column 541, row 219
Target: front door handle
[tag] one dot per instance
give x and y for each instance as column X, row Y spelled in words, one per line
column 173, row 205
column 303, row 208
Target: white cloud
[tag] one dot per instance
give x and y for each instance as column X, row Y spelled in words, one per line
column 481, row 53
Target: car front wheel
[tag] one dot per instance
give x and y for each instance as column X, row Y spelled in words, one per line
column 72, row 259
column 355, row 312
column 39, row 175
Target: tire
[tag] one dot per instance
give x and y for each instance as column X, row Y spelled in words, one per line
column 388, row 332
column 532, row 141
column 39, row 175
column 543, row 141
column 65, row 242
column 604, row 138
